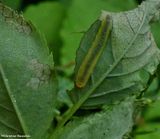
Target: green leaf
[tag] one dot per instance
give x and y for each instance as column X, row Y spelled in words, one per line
column 150, row 125
column 130, row 56
column 48, row 17
column 153, row 111
column 156, row 32
column 112, row 123
column 27, row 81
column 79, row 17
column 63, row 98
column 12, row 3
column 148, row 131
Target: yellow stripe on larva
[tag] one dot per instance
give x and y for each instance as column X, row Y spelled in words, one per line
column 89, row 62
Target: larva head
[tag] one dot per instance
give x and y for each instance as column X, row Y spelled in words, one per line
column 80, row 78
column 80, row 84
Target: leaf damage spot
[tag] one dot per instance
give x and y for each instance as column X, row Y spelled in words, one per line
column 13, row 18
column 41, row 74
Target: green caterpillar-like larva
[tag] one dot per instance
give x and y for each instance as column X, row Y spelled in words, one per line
column 89, row 62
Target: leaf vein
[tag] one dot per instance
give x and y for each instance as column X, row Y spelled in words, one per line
column 9, row 126
column 113, row 91
column 6, row 108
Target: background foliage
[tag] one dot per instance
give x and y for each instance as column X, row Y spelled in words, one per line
column 63, row 23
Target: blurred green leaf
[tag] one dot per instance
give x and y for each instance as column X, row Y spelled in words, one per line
column 153, row 111
column 80, row 15
column 153, row 130
column 151, row 122
column 156, row 32
column 64, row 86
column 27, row 81
column 48, row 17
column 15, row 4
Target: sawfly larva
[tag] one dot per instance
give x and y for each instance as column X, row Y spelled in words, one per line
column 90, row 60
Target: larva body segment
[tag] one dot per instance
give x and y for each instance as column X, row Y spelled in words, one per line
column 89, row 62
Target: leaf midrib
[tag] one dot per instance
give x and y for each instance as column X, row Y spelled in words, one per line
column 5, row 80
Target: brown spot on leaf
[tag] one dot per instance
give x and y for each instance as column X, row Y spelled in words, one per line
column 41, row 74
